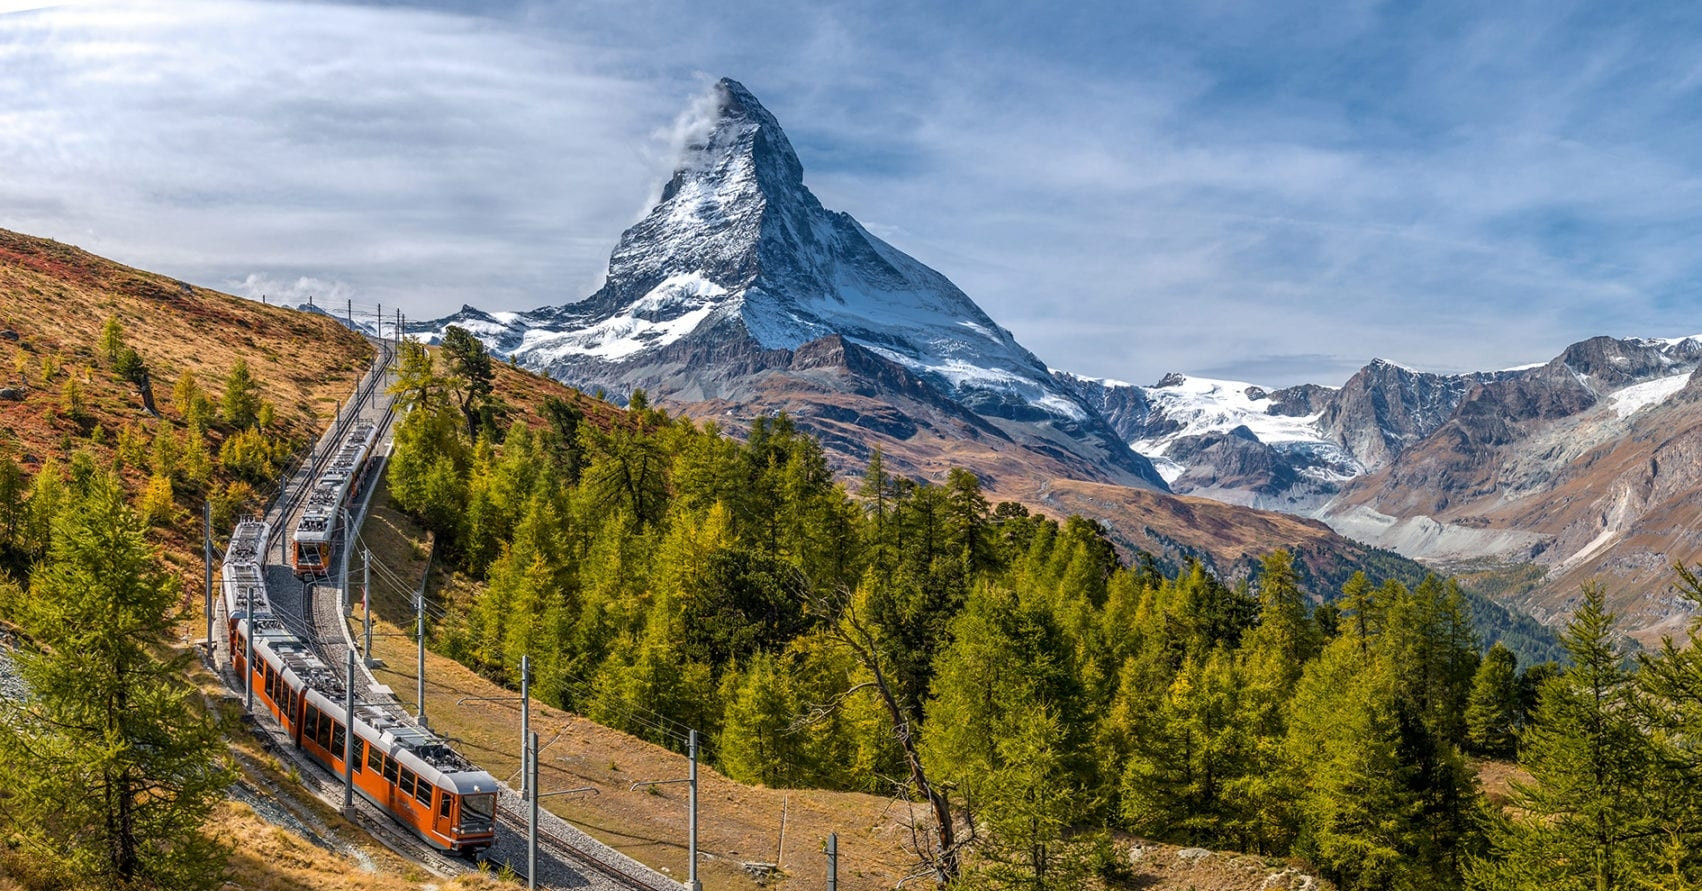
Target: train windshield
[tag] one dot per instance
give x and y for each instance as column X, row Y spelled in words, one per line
column 478, row 809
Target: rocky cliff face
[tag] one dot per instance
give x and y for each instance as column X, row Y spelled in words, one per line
column 1585, row 464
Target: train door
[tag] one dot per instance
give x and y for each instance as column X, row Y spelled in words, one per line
column 445, row 809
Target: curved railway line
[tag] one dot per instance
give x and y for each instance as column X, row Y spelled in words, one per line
column 314, row 613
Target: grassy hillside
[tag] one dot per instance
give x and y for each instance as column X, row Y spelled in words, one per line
column 55, row 301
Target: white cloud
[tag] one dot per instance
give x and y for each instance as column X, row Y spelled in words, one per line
column 1187, row 187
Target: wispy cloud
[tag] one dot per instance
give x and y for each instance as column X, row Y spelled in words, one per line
column 1252, row 190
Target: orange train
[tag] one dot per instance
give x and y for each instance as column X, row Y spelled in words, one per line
column 401, row 767
column 337, row 483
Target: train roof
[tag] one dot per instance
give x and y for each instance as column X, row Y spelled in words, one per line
column 319, row 514
column 383, row 723
column 242, row 575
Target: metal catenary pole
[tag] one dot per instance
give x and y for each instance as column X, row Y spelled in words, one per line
column 349, row 738
column 833, row 861
column 366, row 600
column 691, row 870
column 525, row 717
column 532, row 813
column 207, row 552
column 419, row 668
column 348, row 542
column 692, row 883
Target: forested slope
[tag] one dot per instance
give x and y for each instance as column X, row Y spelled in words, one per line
column 1003, row 669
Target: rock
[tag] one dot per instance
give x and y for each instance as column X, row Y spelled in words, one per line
column 8, row 334
column 11, row 394
column 1289, row 879
column 1138, row 852
column 1193, row 855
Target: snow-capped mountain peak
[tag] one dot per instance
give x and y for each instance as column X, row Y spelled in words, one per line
column 739, row 259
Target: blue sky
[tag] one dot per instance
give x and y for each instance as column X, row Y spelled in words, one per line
column 1269, row 191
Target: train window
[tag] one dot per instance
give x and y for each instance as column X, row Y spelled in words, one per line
column 443, row 804
column 390, row 770
column 422, row 792
column 338, row 740
column 323, row 737
column 407, row 782
column 374, row 759
column 477, row 810
column 310, row 723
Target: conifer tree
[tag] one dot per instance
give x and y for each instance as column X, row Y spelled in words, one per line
column 111, row 765
column 470, row 364
column 1493, row 714
column 758, row 743
column 240, row 405
column 14, row 510
column 1584, row 821
column 111, row 339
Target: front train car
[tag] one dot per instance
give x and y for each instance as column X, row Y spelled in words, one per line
column 397, row 765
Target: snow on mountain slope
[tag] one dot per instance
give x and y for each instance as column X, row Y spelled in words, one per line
column 738, row 239
column 1631, row 399
column 1200, row 405
column 738, row 267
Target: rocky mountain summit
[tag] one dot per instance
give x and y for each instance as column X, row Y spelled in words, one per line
column 1577, row 467
column 739, row 289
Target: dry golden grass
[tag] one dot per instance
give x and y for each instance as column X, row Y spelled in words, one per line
column 1498, row 777
column 56, row 298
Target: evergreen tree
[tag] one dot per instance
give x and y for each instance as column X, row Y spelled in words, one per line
column 418, row 385
column 1584, row 822
column 758, row 743
column 111, row 339
column 470, row 364
column 1492, row 717
column 240, row 405
column 46, row 499
column 14, row 509
column 1180, row 782
column 1357, row 808
column 111, row 765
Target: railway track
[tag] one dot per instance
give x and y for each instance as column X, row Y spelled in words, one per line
column 564, row 858
column 515, row 820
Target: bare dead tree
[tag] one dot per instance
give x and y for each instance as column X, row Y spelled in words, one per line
column 942, row 852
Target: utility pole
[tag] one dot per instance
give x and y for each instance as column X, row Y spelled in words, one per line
column 833, row 861
column 532, row 814
column 419, row 672
column 248, row 655
column 692, row 884
column 366, row 600
column 348, row 542
column 349, row 738
column 207, row 552
column 525, row 719
column 351, row 313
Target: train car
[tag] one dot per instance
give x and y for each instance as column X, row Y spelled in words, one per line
column 310, row 544
column 413, row 775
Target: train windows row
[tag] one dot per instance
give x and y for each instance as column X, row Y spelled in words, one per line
column 401, row 777
column 324, row 730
